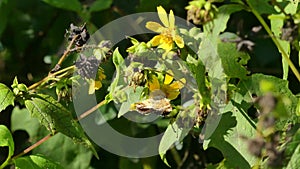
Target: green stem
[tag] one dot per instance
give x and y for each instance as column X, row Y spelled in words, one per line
column 275, row 40
column 176, row 156
column 35, row 85
column 6, row 162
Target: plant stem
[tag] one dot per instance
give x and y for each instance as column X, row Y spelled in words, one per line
column 50, row 76
column 280, row 48
column 88, row 112
column 33, row 146
column 176, row 156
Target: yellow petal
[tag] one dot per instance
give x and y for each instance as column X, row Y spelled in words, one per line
column 178, row 84
column 154, row 26
column 179, row 41
column 163, row 16
column 171, row 19
column 133, row 106
column 154, row 84
column 155, row 41
column 98, row 85
column 91, row 87
column 173, row 95
column 168, row 77
column 167, row 45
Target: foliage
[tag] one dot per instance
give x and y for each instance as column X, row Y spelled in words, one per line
column 213, row 108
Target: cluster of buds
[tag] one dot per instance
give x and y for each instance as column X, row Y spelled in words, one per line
column 138, row 78
column 201, row 11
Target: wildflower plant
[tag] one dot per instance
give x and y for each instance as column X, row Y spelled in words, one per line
column 176, row 95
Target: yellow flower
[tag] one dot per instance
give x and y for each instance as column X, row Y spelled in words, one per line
column 169, row 88
column 97, row 83
column 167, row 33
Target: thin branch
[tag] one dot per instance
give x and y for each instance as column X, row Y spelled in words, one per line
column 63, row 57
column 33, row 146
column 33, row 86
column 93, row 109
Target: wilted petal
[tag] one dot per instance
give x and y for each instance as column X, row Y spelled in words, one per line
column 154, row 26
column 163, row 16
column 171, row 19
column 179, row 41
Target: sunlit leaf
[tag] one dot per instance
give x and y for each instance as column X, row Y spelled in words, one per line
column 276, row 26
column 21, row 120
column 233, row 61
column 57, row 118
column 227, row 138
column 6, row 97
column 6, row 140
column 35, row 162
column 69, row 155
column 252, row 86
column 119, row 64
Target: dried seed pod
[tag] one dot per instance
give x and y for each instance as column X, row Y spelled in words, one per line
column 81, row 34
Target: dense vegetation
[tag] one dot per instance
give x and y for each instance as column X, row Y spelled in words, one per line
column 221, row 85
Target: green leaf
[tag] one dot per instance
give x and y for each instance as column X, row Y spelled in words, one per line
column 262, row 6
column 72, row 5
column 277, row 22
column 6, row 140
column 178, row 130
column 295, row 159
column 62, row 149
column 298, row 108
column 119, row 64
column 252, row 85
column 233, row 61
column 133, row 96
column 220, row 23
column 6, row 97
column 69, row 155
column 35, row 162
column 208, row 49
column 292, row 7
column 100, row 5
column 198, row 70
column 293, row 151
column 227, row 138
column 21, row 120
column 57, row 118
